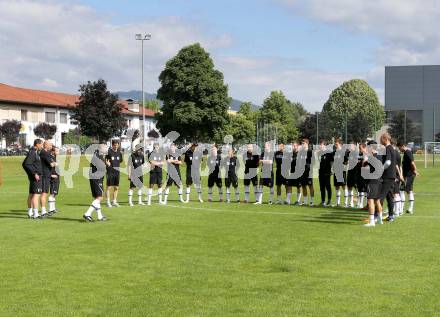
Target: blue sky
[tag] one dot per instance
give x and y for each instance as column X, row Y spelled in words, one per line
column 306, row 48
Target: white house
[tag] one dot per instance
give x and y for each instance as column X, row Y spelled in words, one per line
column 34, row 106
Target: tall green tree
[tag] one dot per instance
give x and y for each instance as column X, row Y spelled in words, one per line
column 98, row 112
column 283, row 114
column 247, row 110
column 402, row 128
column 195, row 98
column 45, row 130
column 315, row 125
column 10, row 130
column 354, row 111
column 74, row 136
column 241, row 128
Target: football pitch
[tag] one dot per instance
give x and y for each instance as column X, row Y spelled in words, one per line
column 215, row 259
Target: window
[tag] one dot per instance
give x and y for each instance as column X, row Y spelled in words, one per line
column 63, row 117
column 50, row 117
column 24, row 115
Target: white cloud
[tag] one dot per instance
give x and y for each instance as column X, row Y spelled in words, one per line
column 59, row 45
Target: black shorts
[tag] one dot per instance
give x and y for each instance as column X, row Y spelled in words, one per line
column 214, row 179
column 338, row 184
column 396, row 189
column 54, row 186
column 97, row 187
column 409, row 182
column 133, row 184
column 177, row 180
column 267, row 181
column 45, row 184
column 361, row 185
column 231, row 180
column 156, row 178
column 374, row 190
column 248, row 181
column 35, row 187
column 306, row 181
column 387, row 188
column 293, row 182
column 113, row 179
column 351, row 178
column 280, row 179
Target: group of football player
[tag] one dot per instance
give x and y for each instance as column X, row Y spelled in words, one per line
column 364, row 173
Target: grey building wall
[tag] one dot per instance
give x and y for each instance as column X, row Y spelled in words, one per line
column 415, row 88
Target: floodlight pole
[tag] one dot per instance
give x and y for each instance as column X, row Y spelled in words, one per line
column 142, row 38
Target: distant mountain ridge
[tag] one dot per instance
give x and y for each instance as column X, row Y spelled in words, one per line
column 137, row 95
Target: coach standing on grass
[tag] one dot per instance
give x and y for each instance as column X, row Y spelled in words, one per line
column 47, row 163
column 389, row 174
column 33, row 169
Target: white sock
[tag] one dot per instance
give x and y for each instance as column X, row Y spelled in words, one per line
column 130, row 196
column 411, row 201
column 361, row 200
column 372, row 220
column 305, row 200
column 237, row 194
column 159, row 193
column 30, row 212
column 256, row 193
column 228, row 194
column 220, row 193
column 150, row 193
column 36, row 213
column 298, row 197
column 199, row 192
column 271, row 193
column 94, row 205
column 351, row 197
column 188, row 192
column 402, row 200
column 165, row 198
column 246, row 193
column 210, row 193
column 43, row 210
column 311, row 199
column 279, row 199
column 98, row 211
column 139, row 196
column 108, row 196
column 338, row 197
column 51, row 202
column 180, row 192
column 346, row 196
column 260, row 194
column 288, row 197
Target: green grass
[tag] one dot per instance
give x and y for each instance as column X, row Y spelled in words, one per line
column 215, row 259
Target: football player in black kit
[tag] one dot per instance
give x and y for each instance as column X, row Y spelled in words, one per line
column 157, row 161
column 135, row 174
column 389, row 175
column 54, row 182
column 193, row 161
column 96, row 179
column 352, row 160
column 250, row 172
column 340, row 156
column 280, row 180
column 266, row 176
column 409, row 173
column 113, row 161
column 32, row 167
column 293, row 181
column 174, row 161
column 47, row 164
column 374, row 184
column 361, row 184
column 399, row 179
column 306, row 180
column 214, row 164
column 232, row 166
column 325, row 172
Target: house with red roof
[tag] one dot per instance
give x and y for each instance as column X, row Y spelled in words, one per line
column 31, row 107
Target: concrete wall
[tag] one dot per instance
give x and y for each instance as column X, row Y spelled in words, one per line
column 415, row 88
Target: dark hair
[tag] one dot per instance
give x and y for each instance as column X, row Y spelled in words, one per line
column 37, row 141
column 338, row 140
column 400, row 144
column 371, row 142
column 115, row 142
